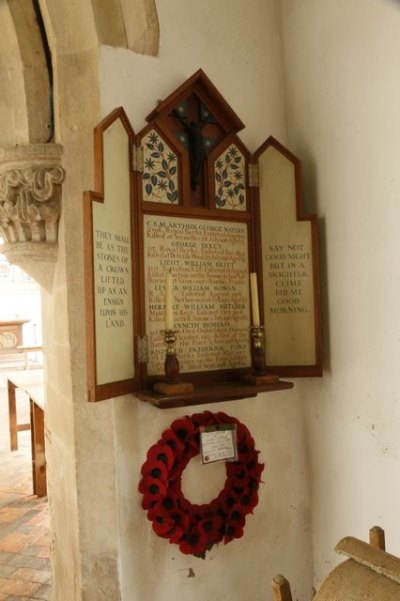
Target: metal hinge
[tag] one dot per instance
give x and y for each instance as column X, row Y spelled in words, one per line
column 143, row 349
column 137, row 158
column 254, row 178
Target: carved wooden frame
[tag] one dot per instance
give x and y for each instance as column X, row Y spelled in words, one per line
column 200, row 88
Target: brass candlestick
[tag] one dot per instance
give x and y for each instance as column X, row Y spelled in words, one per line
column 172, row 384
column 257, row 351
column 171, row 364
column 260, row 375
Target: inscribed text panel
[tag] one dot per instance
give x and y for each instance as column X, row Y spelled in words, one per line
column 112, row 254
column 209, row 263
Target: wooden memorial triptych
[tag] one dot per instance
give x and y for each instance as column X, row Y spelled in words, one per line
column 185, row 196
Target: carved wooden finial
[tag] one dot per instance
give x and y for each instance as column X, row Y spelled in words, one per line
column 281, row 589
column 377, row 538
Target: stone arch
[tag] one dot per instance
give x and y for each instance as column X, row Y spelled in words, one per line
column 25, row 106
column 24, row 114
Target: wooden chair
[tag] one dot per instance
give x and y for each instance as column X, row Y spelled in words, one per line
column 281, row 587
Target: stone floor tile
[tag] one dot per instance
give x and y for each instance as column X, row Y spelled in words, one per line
column 24, row 531
column 18, row 587
column 27, row 561
column 31, row 575
column 6, row 571
column 33, row 550
column 43, row 593
column 6, row 557
column 10, row 514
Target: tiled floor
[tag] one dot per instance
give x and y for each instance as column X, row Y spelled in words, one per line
column 24, row 531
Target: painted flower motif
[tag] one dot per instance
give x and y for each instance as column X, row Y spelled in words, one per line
column 153, row 138
column 160, row 173
column 229, row 170
column 196, row 528
column 149, row 164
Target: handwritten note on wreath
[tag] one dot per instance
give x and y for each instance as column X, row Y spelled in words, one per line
column 218, row 443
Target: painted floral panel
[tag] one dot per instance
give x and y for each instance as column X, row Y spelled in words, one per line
column 229, row 173
column 160, row 170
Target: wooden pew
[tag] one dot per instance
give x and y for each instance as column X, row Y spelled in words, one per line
column 374, row 571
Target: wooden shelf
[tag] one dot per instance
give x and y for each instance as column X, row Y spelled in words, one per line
column 213, row 393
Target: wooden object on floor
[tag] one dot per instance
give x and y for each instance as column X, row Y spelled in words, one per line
column 30, row 382
column 38, row 447
column 369, row 572
column 281, row 589
column 12, row 416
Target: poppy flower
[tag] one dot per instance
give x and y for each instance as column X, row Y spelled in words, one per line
column 176, row 534
column 232, row 530
column 237, row 514
column 236, row 473
column 249, row 500
column 155, row 469
column 255, row 469
column 226, row 500
column 153, row 490
column 203, row 419
column 211, row 527
column 242, row 432
column 161, row 452
column 183, row 428
column 167, row 528
column 245, row 448
column 223, row 418
column 158, row 510
column 163, row 527
column 176, row 445
column 194, row 543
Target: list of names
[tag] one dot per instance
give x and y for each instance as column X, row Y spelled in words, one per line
column 209, row 265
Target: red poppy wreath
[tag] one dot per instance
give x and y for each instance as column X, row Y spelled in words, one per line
column 196, row 528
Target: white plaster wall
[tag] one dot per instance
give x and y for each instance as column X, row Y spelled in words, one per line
column 237, row 44
column 343, row 90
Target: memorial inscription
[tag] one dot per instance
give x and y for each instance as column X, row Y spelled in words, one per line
column 112, row 269
column 289, row 268
column 209, row 263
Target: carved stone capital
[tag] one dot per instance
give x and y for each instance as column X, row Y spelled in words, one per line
column 30, row 193
column 30, row 204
